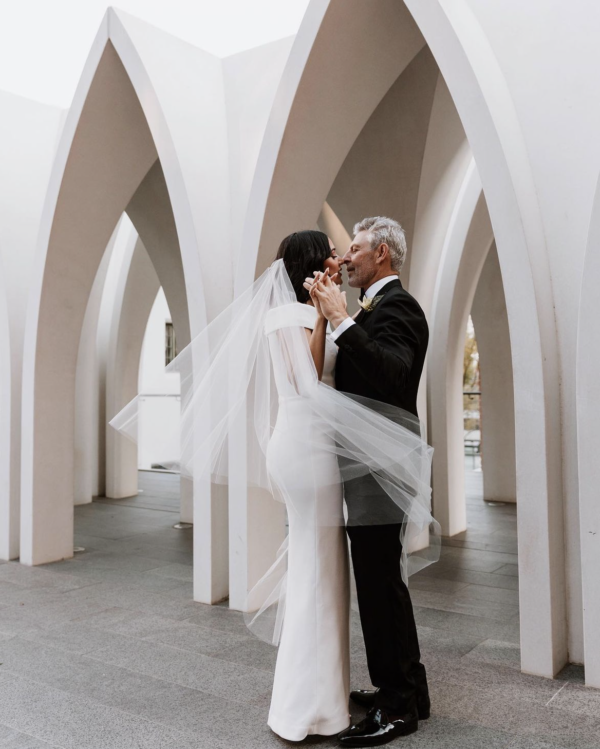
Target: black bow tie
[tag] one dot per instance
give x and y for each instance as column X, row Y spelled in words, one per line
column 362, row 293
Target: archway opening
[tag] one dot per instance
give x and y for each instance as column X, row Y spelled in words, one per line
column 111, row 168
column 395, row 145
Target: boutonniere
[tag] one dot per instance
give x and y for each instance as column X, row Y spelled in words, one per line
column 369, row 303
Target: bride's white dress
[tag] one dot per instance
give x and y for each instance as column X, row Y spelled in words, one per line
column 311, row 687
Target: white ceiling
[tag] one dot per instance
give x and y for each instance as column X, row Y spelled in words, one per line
column 44, row 43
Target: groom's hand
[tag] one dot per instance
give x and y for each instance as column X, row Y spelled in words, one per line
column 331, row 300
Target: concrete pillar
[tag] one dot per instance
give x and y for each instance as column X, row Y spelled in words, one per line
column 29, row 131
column 90, row 392
column 588, row 434
column 497, row 401
column 138, row 287
column 482, row 93
column 465, row 247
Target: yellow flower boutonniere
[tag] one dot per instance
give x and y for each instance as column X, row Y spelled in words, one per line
column 369, row 303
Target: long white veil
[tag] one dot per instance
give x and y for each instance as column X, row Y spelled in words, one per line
column 233, row 370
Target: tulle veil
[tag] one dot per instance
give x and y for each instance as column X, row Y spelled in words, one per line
column 232, row 371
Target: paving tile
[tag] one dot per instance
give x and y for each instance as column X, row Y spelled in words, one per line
column 535, row 742
column 487, row 593
column 251, row 652
column 578, row 699
column 472, row 606
column 493, row 680
column 218, row 677
column 176, row 554
column 12, row 739
column 476, row 705
column 169, row 538
column 146, row 697
column 73, row 722
column 88, row 573
column 573, row 672
column 184, row 635
column 450, row 643
column 469, row 625
column 108, row 595
column 493, row 651
column 217, row 617
column 74, row 637
column 473, row 577
column 175, row 571
column 446, row 733
column 508, row 569
column 436, row 585
column 486, row 542
column 476, row 560
column 37, row 577
column 111, row 560
column 38, row 615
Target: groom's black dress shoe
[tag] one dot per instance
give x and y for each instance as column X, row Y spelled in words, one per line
column 366, row 698
column 378, row 728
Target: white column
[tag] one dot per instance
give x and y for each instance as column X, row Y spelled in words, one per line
column 90, row 391
column 135, row 296
column 497, row 401
column 29, row 131
column 466, row 245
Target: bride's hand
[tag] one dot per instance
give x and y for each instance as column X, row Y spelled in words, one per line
column 311, row 290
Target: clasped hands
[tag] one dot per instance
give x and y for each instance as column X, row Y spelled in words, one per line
column 329, row 301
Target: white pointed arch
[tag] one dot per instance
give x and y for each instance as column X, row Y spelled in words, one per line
column 124, row 117
column 466, row 246
column 331, row 86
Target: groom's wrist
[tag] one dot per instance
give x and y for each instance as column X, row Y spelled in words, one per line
column 337, row 319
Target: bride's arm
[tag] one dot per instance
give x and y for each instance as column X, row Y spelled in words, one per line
column 316, row 342
column 316, row 337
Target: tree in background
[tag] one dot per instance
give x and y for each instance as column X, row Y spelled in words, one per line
column 471, row 380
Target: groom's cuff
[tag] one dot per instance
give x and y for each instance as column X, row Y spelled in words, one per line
column 342, row 328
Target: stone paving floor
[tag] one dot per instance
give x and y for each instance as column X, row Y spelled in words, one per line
column 108, row 651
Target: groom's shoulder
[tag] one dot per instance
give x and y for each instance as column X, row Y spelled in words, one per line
column 398, row 297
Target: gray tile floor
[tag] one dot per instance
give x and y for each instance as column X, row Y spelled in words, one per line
column 108, row 650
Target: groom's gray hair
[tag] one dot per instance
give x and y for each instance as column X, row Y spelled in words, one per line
column 382, row 229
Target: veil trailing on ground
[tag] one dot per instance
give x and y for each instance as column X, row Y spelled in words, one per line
column 236, row 372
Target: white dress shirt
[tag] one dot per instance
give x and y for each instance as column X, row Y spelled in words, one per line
column 370, row 293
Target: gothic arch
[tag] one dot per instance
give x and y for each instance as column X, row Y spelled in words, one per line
column 330, row 87
column 121, row 143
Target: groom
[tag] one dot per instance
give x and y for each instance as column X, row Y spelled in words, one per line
column 381, row 355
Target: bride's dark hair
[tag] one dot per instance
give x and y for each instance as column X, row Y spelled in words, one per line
column 302, row 253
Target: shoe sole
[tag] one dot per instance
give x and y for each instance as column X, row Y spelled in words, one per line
column 423, row 715
column 408, row 729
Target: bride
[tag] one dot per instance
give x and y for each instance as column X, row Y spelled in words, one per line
column 311, row 687
column 268, row 358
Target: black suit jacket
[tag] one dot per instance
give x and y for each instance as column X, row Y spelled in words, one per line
column 382, row 356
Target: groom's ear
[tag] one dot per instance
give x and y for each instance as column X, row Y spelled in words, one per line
column 382, row 252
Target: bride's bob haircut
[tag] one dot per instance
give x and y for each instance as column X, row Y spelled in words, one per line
column 303, row 252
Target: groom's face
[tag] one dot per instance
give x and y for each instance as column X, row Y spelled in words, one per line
column 360, row 261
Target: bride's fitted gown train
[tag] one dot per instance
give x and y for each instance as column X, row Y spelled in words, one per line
column 311, row 686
